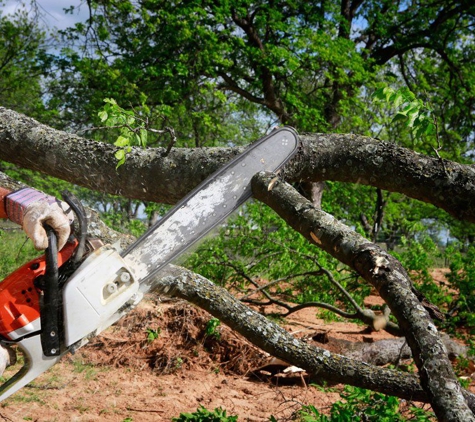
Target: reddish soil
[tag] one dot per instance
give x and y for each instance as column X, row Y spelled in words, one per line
column 123, row 376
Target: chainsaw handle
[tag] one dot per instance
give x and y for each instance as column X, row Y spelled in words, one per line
column 50, row 299
column 42, row 349
column 35, row 364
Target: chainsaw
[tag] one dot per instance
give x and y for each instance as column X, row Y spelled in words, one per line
column 54, row 304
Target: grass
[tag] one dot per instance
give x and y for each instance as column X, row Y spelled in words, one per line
column 15, row 250
column 88, row 370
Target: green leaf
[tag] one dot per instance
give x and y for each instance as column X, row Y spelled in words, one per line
column 384, row 93
column 399, row 117
column 122, row 141
column 110, row 101
column 120, row 154
column 103, row 115
column 397, row 99
column 143, row 137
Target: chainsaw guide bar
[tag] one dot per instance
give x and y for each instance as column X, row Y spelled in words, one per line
column 207, row 205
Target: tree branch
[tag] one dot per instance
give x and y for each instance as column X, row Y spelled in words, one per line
column 360, row 159
column 280, row 343
column 387, row 275
column 148, row 176
column 322, row 364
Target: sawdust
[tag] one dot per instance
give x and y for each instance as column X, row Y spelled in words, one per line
column 160, row 361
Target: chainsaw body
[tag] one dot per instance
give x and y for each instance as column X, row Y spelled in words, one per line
column 55, row 303
column 98, row 293
column 19, row 297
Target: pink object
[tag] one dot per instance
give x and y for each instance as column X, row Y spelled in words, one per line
column 17, row 202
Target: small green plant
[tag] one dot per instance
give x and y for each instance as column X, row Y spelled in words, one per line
column 152, row 335
column 204, row 415
column 360, row 404
column 88, row 370
column 413, row 112
column 310, row 414
column 211, row 329
column 26, row 396
column 133, row 125
column 178, row 363
column 132, row 129
column 462, row 278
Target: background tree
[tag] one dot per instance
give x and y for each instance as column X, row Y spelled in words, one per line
column 23, row 62
column 207, row 68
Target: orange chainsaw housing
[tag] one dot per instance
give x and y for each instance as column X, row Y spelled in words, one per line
column 19, row 298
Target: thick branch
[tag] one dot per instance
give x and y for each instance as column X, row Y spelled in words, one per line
column 145, row 175
column 148, row 176
column 280, row 343
column 387, row 275
column 359, row 159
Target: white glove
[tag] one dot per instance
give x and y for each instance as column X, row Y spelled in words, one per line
column 7, row 358
column 40, row 213
column 31, row 209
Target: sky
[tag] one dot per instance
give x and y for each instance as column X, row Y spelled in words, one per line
column 52, row 11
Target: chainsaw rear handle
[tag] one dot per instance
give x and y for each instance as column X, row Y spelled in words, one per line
column 39, row 280
column 50, row 299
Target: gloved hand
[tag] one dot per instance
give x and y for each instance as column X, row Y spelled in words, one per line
column 7, row 358
column 31, row 209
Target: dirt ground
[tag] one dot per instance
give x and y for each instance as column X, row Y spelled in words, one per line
column 158, row 362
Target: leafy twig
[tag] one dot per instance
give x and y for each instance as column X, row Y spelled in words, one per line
column 134, row 129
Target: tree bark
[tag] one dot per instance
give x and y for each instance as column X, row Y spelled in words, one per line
column 148, row 176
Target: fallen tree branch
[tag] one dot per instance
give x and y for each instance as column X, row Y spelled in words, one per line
column 148, row 176
column 388, row 351
column 388, row 276
column 324, row 365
